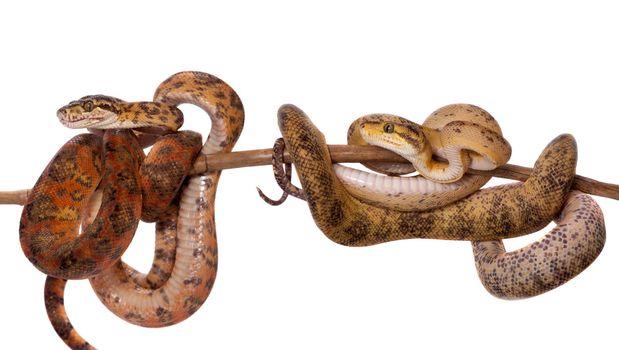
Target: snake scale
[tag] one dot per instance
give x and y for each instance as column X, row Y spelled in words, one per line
column 484, row 217
column 185, row 261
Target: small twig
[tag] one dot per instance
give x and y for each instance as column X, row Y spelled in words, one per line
column 349, row 154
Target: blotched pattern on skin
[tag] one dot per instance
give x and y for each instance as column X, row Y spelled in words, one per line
column 193, row 274
column 569, row 248
column 494, row 213
column 50, row 221
column 488, row 214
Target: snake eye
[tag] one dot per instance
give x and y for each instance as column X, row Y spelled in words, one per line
column 88, row 106
column 389, row 128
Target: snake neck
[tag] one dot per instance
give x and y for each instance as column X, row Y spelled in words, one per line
column 435, row 170
column 159, row 116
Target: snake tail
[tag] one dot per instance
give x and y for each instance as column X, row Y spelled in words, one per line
column 54, row 305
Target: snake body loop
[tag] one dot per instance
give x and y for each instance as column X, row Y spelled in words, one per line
column 195, row 267
column 564, row 252
column 50, row 221
column 465, row 135
column 185, row 261
column 163, row 171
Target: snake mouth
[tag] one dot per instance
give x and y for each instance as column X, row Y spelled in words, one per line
column 82, row 120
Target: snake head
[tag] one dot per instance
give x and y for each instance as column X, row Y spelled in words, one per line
column 90, row 111
column 394, row 133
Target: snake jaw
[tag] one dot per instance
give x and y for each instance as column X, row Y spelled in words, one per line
column 92, row 111
column 406, row 138
column 76, row 120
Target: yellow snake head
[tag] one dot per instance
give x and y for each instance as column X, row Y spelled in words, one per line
column 396, row 134
column 91, row 111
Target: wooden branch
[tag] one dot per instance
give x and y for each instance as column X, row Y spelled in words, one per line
column 349, row 154
column 339, row 154
column 14, row 197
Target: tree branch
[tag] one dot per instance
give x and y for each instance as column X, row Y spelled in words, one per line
column 349, row 154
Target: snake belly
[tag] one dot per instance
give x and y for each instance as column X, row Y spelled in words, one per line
column 465, row 135
column 493, row 213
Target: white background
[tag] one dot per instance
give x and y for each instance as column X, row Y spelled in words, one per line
column 540, row 68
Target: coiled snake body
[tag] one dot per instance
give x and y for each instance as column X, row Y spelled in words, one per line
column 185, row 262
column 195, row 265
column 486, row 215
column 466, row 135
column 50, row 220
